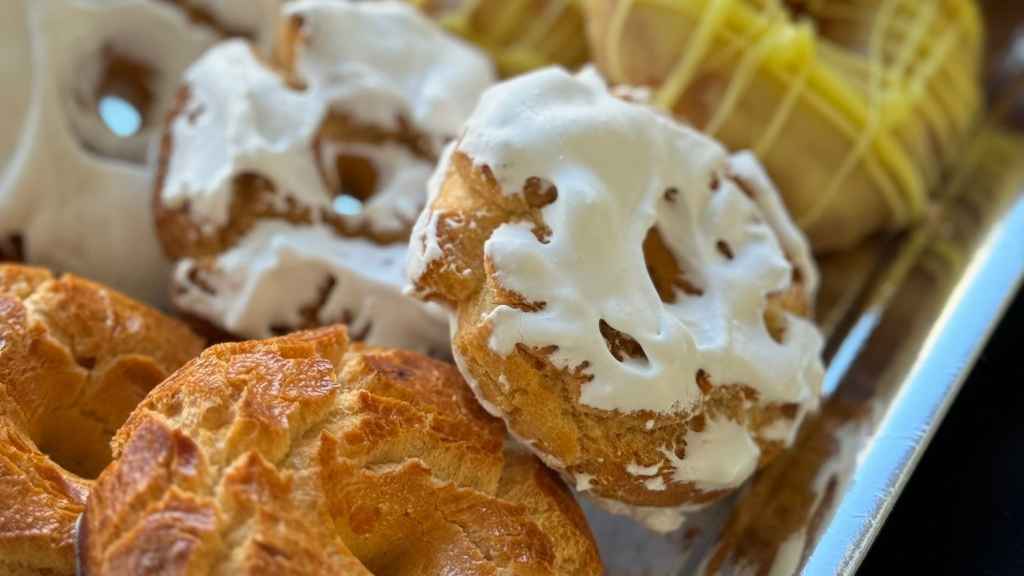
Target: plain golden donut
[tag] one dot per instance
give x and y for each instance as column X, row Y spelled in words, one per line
column 303, row 455
column 75, row 359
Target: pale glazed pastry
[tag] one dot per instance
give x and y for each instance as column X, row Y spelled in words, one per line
column 519, row 35
column 75, row 195
column 302, row 455
column 75, row 359
column 16, row 66
column 258, row 163
column 627, row 296
column 856, row 107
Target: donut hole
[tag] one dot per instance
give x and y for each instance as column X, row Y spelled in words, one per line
column 115, row 107
column 622, row 346
column 77, row 442
column 725, row 250
column 666, row 274
column 77, row 436
column 120, row 115
column 12, row 248
column 356, row 182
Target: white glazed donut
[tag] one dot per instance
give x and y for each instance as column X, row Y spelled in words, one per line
column 626, row 295
column 76, row 196
column 16, row 66
column 254, row 172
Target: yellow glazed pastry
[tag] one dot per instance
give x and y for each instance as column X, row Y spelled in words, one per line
column 854, row 106
column 519, row 34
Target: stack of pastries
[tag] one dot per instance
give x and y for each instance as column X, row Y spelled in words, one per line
column 449, row 271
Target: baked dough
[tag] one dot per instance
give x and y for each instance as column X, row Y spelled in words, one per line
column 75, row 359
column 302, row 455
column 627, row 296
column 520, row 35
column 258, row 161
column 75, row 196
column 855, row 107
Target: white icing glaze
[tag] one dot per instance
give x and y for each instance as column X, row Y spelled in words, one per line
column 583, row 482
column 277, row 258
column 612, row 163
column 719, row 457
column 656, row 484
column 240, row 117
column 431, row 79
column 794, row 243
column 77, row 193
column 243, row 118
column 638, row 470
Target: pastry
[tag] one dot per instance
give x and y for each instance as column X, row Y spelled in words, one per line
column 303, row 455
column 855, row 107
column 15, row 61
column 629, row 298
column 75, row 195
column 75, row 358
column 286, row 195
column 520, row 35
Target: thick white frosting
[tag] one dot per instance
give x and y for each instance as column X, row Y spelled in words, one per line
column 79, row 195
column 379, row 61
column 613, row 163
column 242, row 117
column 280, row 268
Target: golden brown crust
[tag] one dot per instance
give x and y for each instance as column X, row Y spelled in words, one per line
column 542, row 403
column 75, row 359
column 519, row 36
column 736, row 91
column 302, row 455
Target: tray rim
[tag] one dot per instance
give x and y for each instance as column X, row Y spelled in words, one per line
column 979, row 299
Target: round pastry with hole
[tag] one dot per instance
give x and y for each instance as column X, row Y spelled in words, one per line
column 286, row 194
column 16, row 62
column 75, row 196
column 75, row 359
column 856, row 107
column 630, row 299
column 519, row 36
column 301, row 455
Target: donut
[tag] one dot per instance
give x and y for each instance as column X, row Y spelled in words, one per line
column 628, row 297
column 285, row 194
column 855, row 107
column 303, row 455
column 75, row 196
column 15, row 61
column 520, row 35
column 75, row 359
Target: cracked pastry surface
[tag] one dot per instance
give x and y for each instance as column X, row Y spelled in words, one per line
column 306, row 455
column 75, row 359
column 261, row 164
column 629, row 298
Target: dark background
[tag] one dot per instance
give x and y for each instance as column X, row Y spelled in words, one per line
column 963, row 510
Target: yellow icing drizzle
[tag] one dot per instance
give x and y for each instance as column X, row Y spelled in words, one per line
column 895, row 80
column 520, row 35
